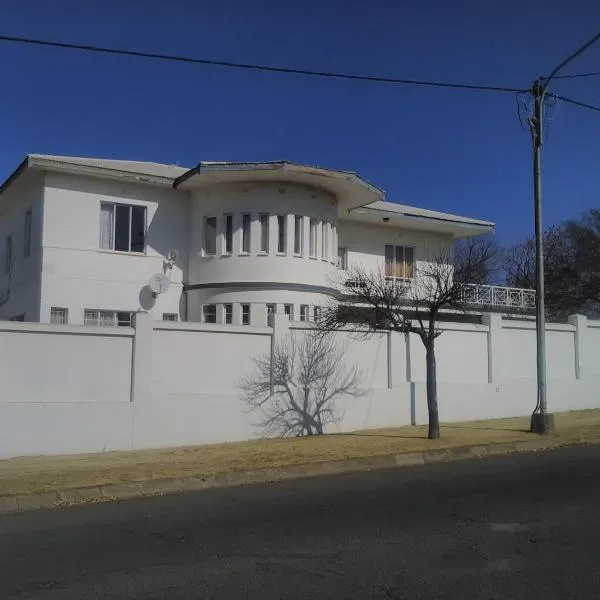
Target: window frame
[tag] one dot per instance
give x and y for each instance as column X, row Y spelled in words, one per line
column 170, row 317
column 298, row 237
column 403, row 262
column 342, row 261
column 304, row 313
column 246, row 241
column 213, row 309
column 281, row 234
column 288, row 309
column 102, row 320
column 245, row 315
column 313, row 237
column 264, row 233
column 227, row 313
column 130, row 207
column 205, row 248
column 56, row 309
column 228, row 234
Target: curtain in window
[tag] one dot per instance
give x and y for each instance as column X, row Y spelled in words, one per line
column 106, row 226
column 389, row 261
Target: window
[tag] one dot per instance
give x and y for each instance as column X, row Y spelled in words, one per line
column 228, row 234
column 281, row 234
column 245, row 314
column 316, row 313
column 228, row 313
column 122, row 227
column 210, row 236
column 106, row 318
column 304, row 312
column 264, row 233
column 27, row 235
column 326, row 233
column 59, row 316
column 399, row 261
column 342, row 258
column 172, row 317
column 288, row 309
column 209, row 313
column 270, row 309
column 8, row 255
column 313, row 238
column 246, row 233
column 298, row 235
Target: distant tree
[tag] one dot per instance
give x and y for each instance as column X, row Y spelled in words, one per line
column 375, row 302
column 296, row 390
column 571, row 267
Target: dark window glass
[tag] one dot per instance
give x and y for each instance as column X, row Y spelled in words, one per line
column 228, row 234
column 138, row 228
column 122, row 228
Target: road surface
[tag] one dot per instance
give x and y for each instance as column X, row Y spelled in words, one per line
column 516, row 527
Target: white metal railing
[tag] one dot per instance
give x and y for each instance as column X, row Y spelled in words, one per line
column 493, row 295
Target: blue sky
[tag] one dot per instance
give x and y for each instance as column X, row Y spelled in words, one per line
column 461, row 152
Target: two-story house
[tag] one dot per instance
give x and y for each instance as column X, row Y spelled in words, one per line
column 90, row 241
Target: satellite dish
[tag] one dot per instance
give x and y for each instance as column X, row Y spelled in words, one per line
column 158, row 283
column 172, row 256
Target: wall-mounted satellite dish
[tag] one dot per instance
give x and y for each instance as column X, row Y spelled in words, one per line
column 158, row 283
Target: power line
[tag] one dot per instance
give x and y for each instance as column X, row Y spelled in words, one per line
column 577, row 103
column 574, row 75
column 569, row 58
column 256, row 67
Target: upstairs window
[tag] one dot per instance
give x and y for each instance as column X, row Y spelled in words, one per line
column 298, row 235
column 245, row 320
column 399, row 262
column 304, row 312
column 228, row 234
column 264, row 233
column 326, row 234
column 281, row 234
column 210, row 236
column 59, row 316
column 246, row 233
column 313, row 238
column 122, row 227
column 288, row 309
column 27, row 234
column 171, row 317
column 228, row 313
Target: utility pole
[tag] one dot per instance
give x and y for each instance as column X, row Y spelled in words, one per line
column 539, row 418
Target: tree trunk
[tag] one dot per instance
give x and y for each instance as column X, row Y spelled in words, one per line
column 432, row 404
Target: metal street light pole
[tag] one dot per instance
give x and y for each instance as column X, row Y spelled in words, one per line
column 539, row 418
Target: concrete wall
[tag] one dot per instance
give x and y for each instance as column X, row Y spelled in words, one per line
column 71, row 389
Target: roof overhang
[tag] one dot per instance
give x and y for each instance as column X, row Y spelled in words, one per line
column 425, row 220
column 351, row 190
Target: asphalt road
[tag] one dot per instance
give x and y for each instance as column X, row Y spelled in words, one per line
column 518, row 527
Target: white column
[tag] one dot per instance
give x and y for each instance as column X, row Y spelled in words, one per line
column 141, row 364
column 494, row 324
column 580, row 324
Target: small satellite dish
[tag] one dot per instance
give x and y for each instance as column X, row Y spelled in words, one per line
column 158, row 283
column 172, row 256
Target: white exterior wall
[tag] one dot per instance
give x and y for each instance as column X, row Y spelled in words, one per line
column 25, row 193
column 99, row 389
column 77, row 274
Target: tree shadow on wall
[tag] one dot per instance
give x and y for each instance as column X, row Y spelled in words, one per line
column 296, row 388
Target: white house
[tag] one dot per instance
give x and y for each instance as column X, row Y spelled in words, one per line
column 82, row 238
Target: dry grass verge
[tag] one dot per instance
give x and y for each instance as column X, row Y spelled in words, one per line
column 45, row 474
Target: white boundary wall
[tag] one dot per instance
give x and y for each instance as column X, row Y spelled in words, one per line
column 74, row 389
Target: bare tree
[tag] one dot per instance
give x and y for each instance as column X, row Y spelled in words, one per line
column 571, row 266
column 296, row 388
column 375, row 302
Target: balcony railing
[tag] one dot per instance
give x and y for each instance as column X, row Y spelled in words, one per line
column 497, row 296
